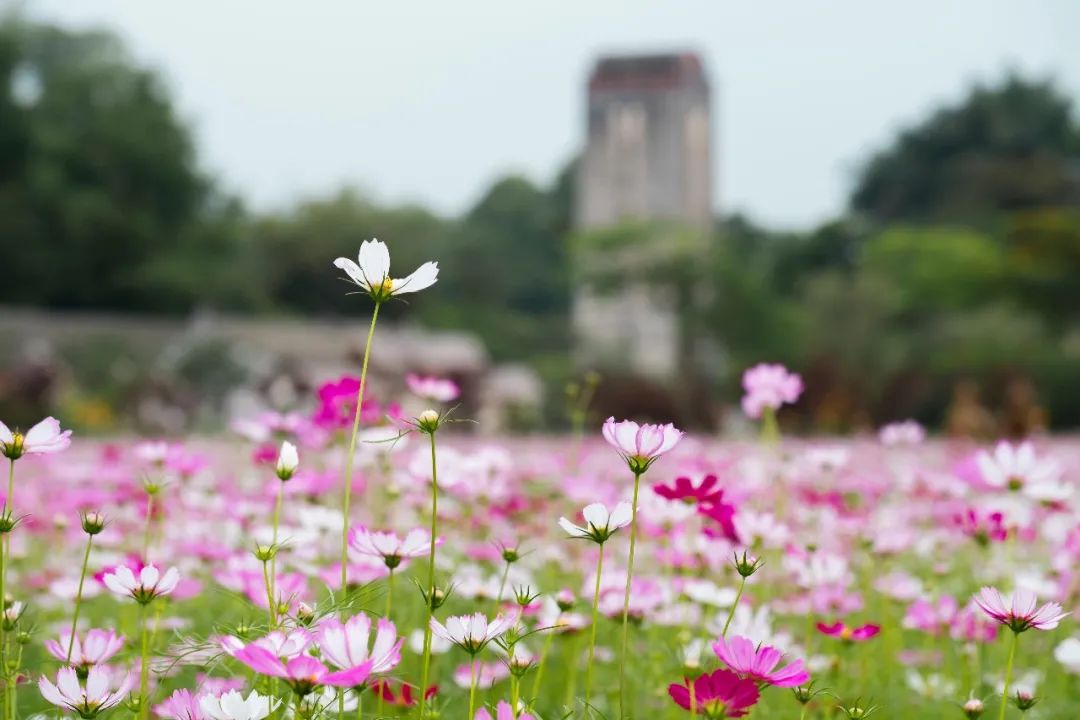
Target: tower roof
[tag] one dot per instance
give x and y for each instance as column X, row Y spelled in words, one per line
column 645, row 73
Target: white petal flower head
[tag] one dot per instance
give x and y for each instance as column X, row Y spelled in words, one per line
column 599, row 523
column 44, row 438
column 472, row 633
column 148, row 585
column 372, row 273
column 287, row 462
column 234, row 706
column 87, row 702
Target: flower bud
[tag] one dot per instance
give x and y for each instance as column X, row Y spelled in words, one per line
column 305, row 614
column 428, row 421
column 7, row 522
column 14, row 449
column 93, row 523
column 1024, row 700
column 747, row 565
column 565, row 599
column 265, row 553
column 287, row 462
column 973, row 708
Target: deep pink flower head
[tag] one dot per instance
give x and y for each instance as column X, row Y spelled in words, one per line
column 302, row 673
column 983, row 528
column 45, row 437
column 847, row 633
column 755, row 663
column 640, row 445
column 502, row 712
column 720, row 694
column 96, row 647
column 405, row 698
column 337, row 405
column 684, row 489
column 723, row 514
column 769, row 386
column 1021, row 611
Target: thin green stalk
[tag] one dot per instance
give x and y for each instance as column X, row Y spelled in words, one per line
column 389, row 608
column 472, row 688
column 271, row 602
column 146, row 531
column 595, row 622
column 144, row 669
column 502, row 587
column 543, row 661
column 734, row 605
column 78, row 596
column 360, row 704
column 431, row 579
column 351, row 457
column 1008, row 676
column 5, row 551
column 273, row 559
column 626, row 596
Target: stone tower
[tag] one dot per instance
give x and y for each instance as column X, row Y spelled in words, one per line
column 647, row 156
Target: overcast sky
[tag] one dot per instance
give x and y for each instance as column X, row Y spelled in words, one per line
column 430, row 101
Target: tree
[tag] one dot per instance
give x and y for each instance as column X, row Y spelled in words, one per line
column 1005, row 148
column 99, row 178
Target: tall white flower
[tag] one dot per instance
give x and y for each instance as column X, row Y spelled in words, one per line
column 372, row 273
column 234, row 706
column 86, row 701
column 600, row 524
column 472, row 632
column 148, row 585
column 288, row 460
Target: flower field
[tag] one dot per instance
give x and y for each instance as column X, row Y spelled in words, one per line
column 356, row 559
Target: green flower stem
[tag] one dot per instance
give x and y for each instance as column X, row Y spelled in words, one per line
column 430, row 581
column 1008, row 676
column 502, row 588
column 144, row 669
column 595, row 622
column 351, row 457
column 626, row 596
column 734, row 605
column 277, row 523
column 270, row 600
column 543, row 661
column 472, row 687
column 78, row 596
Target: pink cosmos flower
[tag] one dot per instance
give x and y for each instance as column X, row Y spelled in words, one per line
column 848, row 633
column 388, row 546
column 982, row 527
column 405, row 698
column 89, row 701
column 502, row 712
column 181, row 705
column 907, row 432
column 345, row 645
column 743, row 656
column 640, row 445
column 149, row 585
column 97, row 647
column 932, row 617
column 473, row 632
column 769, row 386
column 432, row 388
column 45, row 437
column 720, row 694
column 302, row 673
column 1021, row 611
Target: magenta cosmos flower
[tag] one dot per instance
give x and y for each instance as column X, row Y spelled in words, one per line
column 720, row 694
column 345, row 645
column 847, row 633
column 45, row 437
column 640, row 445
column 684, row 489
column 1021, row 611
column 87, row 702
column 302, row 673
column 95, row 648
column 503, row 711
column 769, row 386
column 755, row 663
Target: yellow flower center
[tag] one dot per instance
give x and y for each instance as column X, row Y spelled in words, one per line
column 846, row 633
column 384, row 287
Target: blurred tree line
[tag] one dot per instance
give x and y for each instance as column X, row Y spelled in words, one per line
column 959, row 257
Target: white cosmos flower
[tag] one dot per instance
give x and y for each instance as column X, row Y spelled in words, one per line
column 288, row 460
column 148, row 585
column 96, row 697
column 234, row 706
column 473, row 632
column 372, row 272
column 600, row 524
